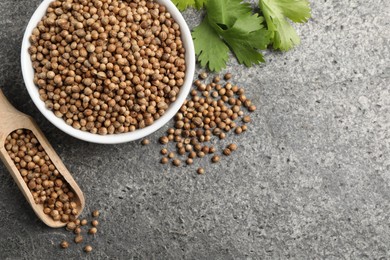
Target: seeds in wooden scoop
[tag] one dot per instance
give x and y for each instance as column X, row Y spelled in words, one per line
column 46, row 184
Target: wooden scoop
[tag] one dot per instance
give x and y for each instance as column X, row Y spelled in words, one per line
column 11, row 120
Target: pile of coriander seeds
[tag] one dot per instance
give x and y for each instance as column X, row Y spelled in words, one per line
column 108, row 66
column 213, row 110
column 44, row 181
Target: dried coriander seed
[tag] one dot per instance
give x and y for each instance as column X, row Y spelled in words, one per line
column 64, row 244
column 92, row 231
column 145, row 142
column 164, row 160
column 176, row 162
column 227, row 76
column 200, row 171
column 215, row 159
column 88, row 248
column 232, row 147
column 95, row 213
column 95, row 223
column 77, row 230
column 227, row 151
column 78, row 239
column 246, row 119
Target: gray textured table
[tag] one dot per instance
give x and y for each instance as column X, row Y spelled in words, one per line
column 310, row 180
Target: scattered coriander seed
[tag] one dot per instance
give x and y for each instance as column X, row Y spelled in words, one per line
column 228, row 76
column 92, row 230
column 200, row 171
column 164, row 140
column 95, row 223
column 176, row 162
column 164, row 151
column 70, row 226
column 201, row 154
column 164, row 160
column 78, row 239
column 77, row 230
column 88, row 248
column 210, row 113
column 84, row 222
column 145, row 142
column 189, row 161
column 227, row 151
column 203, row 75
column 238, row 130
column 95, row 213
column 215, row 159
column 64, row 244
column 252, row 108
column 232, row 147
column 246, row 119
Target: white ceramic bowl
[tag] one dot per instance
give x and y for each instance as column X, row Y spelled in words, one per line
column 28, row 75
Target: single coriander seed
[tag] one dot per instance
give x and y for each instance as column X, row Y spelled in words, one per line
column 92, row 231
column 200, row 171
column 164, row 160
column 88, row 248
column 189, row 161
column 70, row 226
column 77, row 230
column 176, row 162
column 64, row 244
column 228, row 76
column 78, row 239
column 232, row 147
column 145, row 142
column 252, row 108
column 227, row 151
column 203, row 75
column 215, row 159
column 246, row 119
column 95, row 223
column 95, row 214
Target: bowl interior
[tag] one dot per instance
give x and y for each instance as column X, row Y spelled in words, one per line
column 28, row 75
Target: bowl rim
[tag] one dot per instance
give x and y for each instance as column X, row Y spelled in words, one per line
column 28, row 75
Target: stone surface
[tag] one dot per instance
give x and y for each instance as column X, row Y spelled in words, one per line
column 310, row 178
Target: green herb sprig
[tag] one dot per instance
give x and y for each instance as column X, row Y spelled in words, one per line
column 233, row 25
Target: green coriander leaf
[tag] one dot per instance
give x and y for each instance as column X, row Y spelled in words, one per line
column 226, row 12
column 209, row 47
column 245, row 39
column 200, row 3
column 184, row 4
column 276, row 12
